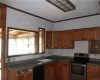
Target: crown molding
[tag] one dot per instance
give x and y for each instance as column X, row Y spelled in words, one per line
column 77, row 17
column 48, row 19
column 27, row 13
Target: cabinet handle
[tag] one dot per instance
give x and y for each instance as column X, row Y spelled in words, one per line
column 26, row 75
column 92, row 67
column 49, row 67
column 97, row 78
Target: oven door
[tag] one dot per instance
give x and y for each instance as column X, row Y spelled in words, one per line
column 78, row 71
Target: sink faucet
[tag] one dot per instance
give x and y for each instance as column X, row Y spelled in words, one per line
column 42, row 56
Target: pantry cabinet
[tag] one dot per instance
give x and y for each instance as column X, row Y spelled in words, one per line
column 93, row 72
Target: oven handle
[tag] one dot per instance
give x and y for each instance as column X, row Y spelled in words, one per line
column 75, row 64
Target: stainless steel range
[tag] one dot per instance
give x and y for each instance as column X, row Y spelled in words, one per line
column 78, row 66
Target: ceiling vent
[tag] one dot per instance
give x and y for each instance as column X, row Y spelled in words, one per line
column 64, row 5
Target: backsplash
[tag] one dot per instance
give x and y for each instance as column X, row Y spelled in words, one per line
column 79, row 47
column 47, row 53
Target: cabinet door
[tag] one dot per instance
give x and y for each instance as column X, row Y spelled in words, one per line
column 94, row 46
column 56, row 39
column 21, row 77
column 79, row 34
column 48, row 43
column 28, row 76
column 92, row 72
column 62, row 70
column 48, row 39
column 58, row 70
column 76, row 35
column 49, row 71
column 90, row 34
column 67, row 41
column 48, row 33
column 65, row 71
column 97, row 31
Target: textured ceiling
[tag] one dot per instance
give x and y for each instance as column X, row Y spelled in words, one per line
column 48, row 11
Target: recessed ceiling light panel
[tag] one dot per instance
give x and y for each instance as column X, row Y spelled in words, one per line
column 64, row 5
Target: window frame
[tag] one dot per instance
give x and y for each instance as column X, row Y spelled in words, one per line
column 22, row 53
column 44, row 47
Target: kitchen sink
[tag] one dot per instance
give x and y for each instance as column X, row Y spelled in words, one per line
column 44, row 60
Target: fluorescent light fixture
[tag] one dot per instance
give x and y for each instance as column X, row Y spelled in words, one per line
column 64, row 5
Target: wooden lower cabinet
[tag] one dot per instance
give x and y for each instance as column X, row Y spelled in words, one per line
column 57, row 71
column 49, row 71
column 65, row 71
column 62, row 70
column 93, row 72
column 19, row 75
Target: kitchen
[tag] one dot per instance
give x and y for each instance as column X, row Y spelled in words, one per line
column 17, row 18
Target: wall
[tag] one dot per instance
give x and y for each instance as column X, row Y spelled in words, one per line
column 21, row 20
column 80, row 46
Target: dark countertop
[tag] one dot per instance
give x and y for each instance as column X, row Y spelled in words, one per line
column 20, row 65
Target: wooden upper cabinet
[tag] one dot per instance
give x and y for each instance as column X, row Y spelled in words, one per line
column 97, row 33
column 94, row 46
column 57, row 37
column 67, row 41
column 76, row 35
column 84, row 34
column 48, row 39
column 90, row 34
column 49, row 34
